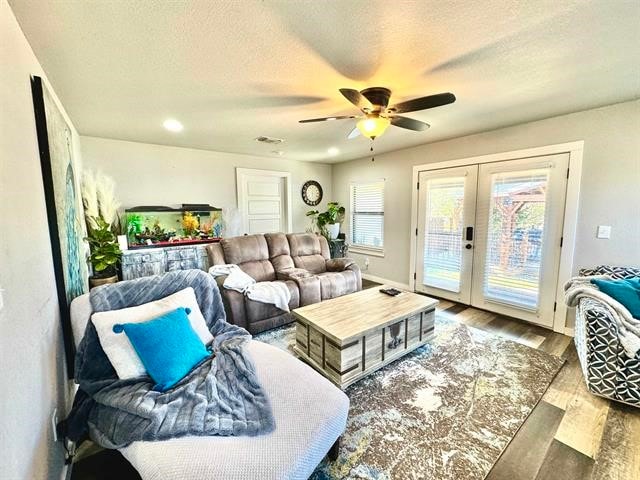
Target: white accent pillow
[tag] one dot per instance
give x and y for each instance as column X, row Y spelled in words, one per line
column 117, row 346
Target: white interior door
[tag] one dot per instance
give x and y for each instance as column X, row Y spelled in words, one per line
column 447, row 206
column 263, row 201
column 519, row 220
column 489, row 235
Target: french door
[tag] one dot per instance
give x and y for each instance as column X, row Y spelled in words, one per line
column 489, row 235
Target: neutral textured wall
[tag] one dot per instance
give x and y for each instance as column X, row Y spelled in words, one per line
column 32, row 370
column 148, row 174
column 610, row 187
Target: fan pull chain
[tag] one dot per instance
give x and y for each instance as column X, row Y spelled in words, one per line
column 373, row 159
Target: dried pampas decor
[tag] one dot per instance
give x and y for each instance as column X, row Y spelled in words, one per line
column 98, row 197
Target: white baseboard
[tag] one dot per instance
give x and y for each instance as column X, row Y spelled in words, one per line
column 569, row 331
column 373, row 278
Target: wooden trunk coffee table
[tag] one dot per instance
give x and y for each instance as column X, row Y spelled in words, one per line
column 347, row 338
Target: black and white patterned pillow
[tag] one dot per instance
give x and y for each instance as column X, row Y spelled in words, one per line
column 613, row 272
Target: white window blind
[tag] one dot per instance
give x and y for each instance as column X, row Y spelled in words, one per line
column 443, row 233
column 516, row 230
column 367, row 215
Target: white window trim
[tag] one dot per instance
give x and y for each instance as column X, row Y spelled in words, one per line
column 367, row 249
column 374, row 252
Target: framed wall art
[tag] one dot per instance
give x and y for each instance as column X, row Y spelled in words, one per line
column 60, row 176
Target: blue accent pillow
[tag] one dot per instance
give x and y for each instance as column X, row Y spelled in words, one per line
column 168, row 346
column 626, row 291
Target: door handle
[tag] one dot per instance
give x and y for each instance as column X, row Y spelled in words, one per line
column 468, row 235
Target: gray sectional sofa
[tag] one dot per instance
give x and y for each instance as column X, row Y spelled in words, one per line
column 300, row 260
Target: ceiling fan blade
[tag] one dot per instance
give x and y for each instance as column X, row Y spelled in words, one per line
column 326, row 119
column 355, row 97
column 423, row 103
column 409, row 123
column 354, row 133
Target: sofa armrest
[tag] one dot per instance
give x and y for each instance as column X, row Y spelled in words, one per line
column 233, row 302
column 340, row 264
column 346, row 265
column 309, row 288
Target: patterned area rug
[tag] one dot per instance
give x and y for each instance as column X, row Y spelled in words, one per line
column 444, row 411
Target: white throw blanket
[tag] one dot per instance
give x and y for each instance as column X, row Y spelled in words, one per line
column 274, row 293
column 628, row 327
column 236, row 279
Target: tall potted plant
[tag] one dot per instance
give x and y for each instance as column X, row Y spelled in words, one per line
column 103, row 224
column 105, row 253
column 328, row 222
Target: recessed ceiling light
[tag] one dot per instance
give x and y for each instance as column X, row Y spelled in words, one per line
column 173, row 125
column 333, row 151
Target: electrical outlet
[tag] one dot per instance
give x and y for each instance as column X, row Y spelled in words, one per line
column 366, row 263
column 54, row 424
column 604, row 231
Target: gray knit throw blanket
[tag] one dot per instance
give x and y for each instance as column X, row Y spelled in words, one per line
column 222, row 396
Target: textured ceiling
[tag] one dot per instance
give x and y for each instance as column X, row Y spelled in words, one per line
column 233, row 70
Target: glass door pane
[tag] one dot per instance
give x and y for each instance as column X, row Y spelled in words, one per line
column 515, row 231
column 443, row 233
column 447, row 199
column 520, row 211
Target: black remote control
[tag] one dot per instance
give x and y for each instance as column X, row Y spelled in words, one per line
column 391, row 291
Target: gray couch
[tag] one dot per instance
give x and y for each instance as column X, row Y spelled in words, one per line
column 300, row 260
column 306, row 428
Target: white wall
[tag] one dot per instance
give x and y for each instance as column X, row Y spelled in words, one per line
column 610, row 190
column 148, row 174
column 32, row 367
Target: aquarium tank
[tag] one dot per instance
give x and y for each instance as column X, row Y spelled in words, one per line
column 163, row 226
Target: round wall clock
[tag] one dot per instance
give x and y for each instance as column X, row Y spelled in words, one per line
column 312, row 193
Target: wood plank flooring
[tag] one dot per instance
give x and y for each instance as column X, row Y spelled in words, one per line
column 571, row 434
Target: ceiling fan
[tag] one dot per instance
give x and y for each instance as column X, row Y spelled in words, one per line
column 377, row 115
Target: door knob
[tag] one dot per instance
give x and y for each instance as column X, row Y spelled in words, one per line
column 468, row 246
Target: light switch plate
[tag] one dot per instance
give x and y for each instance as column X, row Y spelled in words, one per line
column 604, row 231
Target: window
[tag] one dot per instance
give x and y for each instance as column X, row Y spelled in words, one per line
column 367, row 215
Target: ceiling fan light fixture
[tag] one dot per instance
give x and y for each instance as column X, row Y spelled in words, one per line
column 373, row 126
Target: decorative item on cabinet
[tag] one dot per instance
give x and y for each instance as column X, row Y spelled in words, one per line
column 328, row 222
column 157, row 226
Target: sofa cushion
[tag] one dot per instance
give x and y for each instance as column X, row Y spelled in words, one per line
column 245, row 249
column 336, row 284
column 279, row 252
column 259, row 311
column 119, row 349
column 167, row 345
column 625, row 291
column 259, row 270
column 278, row 244
column 302, row 244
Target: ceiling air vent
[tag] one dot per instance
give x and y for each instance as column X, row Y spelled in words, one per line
column 270, row 140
